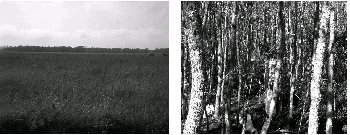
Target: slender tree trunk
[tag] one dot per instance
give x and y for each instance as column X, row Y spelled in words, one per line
column 335, row 27
column 317, row 71
column 243, row 116
column 270, row 94
column 227, row 112
column 275, row 66
column 184, row 71
column 228, row 94
column 195, row 105
column 294, row 67
column 222, row 100
column 183, row 103
column 303, row 110
column 330, row 76
column 281, row 53
column 239, row 67
column 266, row 77
column 301, row 58
column 219, row 77
column 223, row 78
column 218, row 91
column 316, row 29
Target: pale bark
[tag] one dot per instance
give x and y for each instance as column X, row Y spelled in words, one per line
column 195, row 106
column 222, row 102
column 238, row 63
column 227, row 117
column 228, row 96
column 270, row 94
column 218, row 88
column 317, row 71
column 244, row 120
column 249, row 125
column 196, row 99
column 223, row 78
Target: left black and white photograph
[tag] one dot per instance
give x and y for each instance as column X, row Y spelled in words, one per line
column 84, row 67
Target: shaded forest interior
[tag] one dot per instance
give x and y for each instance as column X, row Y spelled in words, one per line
column 263, row 67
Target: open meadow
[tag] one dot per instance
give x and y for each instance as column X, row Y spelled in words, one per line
column 84, row 93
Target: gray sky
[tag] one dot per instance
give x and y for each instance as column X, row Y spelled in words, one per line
column 94, row 24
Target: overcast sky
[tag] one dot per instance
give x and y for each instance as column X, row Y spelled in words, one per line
column 109, row 24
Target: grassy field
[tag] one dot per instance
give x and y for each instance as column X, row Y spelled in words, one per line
column 83, row 93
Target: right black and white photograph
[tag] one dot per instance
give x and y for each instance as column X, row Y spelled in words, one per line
column 263, row 67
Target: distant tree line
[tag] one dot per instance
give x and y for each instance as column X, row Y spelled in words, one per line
column 83, row 49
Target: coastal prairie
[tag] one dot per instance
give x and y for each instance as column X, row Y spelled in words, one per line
column 84, row 93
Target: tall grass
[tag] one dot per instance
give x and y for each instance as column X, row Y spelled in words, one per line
column 78, row 93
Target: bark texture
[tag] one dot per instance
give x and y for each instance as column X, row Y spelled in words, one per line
column 195, row 110
column 317, row 63
column 330, row 75
column 271, row 93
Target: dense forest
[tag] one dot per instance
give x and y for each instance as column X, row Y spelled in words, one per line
column 83, row 49
column 263, row 67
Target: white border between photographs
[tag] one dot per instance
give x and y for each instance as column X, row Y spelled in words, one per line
column 174, row 67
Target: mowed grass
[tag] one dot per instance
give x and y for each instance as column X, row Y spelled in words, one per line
column 83, row 93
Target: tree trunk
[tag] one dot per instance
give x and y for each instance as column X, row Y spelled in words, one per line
column 183, row 103
column 275, row 66
column 239, row 67
column 281, row 54
column 316, row 28
column 302, row 57
column 244, row 118
column 317, row 71
column 195, row 106
column 330, row 76
column 294, row 67
column 228, row 94
column 270, row 94
column 227, row 114
column 219, row 66
column 223, row 75
column 184, row 71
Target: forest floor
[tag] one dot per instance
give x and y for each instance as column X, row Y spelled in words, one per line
column 279, row 122
column 95, row 93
